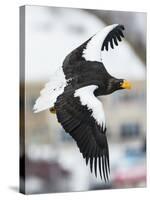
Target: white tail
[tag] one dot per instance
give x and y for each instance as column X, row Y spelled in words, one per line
column 52, row 90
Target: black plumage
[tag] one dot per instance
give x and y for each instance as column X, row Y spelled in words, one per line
column 85, row 73
column 75, row 118
column 90, row 138
column 84, row 78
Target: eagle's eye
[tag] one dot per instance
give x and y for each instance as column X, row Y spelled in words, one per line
column 120, row 84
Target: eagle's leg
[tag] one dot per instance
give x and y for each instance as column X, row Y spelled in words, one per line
column 52, row 110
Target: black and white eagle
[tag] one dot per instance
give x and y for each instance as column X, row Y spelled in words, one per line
column 72, row 94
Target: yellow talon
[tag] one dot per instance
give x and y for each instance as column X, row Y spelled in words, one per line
column 52, row 110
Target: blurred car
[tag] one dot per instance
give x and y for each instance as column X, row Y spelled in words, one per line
column 130, row 170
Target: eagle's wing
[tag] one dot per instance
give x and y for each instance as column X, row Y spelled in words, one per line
column 91, row 49
column 81, row 115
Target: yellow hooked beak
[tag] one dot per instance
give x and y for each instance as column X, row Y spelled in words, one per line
column 126, row 85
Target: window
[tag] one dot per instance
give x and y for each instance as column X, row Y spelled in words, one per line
column 130, row 130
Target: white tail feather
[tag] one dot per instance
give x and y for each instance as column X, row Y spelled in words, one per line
column 52, row 90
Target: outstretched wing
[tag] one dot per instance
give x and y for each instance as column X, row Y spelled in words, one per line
column 91, row 49
column 81, row 115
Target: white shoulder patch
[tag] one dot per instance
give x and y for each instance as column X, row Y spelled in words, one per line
column 93, row 48
column 87, row 98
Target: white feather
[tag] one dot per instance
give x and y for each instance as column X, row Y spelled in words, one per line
column 52, row 90
column 93, row 48
column 87, row 98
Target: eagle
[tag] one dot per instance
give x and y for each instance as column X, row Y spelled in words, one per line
column 72, row 94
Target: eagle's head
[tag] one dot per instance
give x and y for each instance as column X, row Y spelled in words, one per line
column 117, row 84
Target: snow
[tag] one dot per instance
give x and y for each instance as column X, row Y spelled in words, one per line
column 52, row 33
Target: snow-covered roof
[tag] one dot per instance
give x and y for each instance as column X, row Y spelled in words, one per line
column 51, row 33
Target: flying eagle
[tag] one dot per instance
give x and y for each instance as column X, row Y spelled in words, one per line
column 72, row 94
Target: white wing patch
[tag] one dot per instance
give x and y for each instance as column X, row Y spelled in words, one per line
column 93, row 48
column 87, row 98
column 52, row 90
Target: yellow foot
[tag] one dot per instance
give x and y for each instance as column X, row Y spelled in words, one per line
column 52, row 110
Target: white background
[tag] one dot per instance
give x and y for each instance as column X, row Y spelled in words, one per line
column 9, row 98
